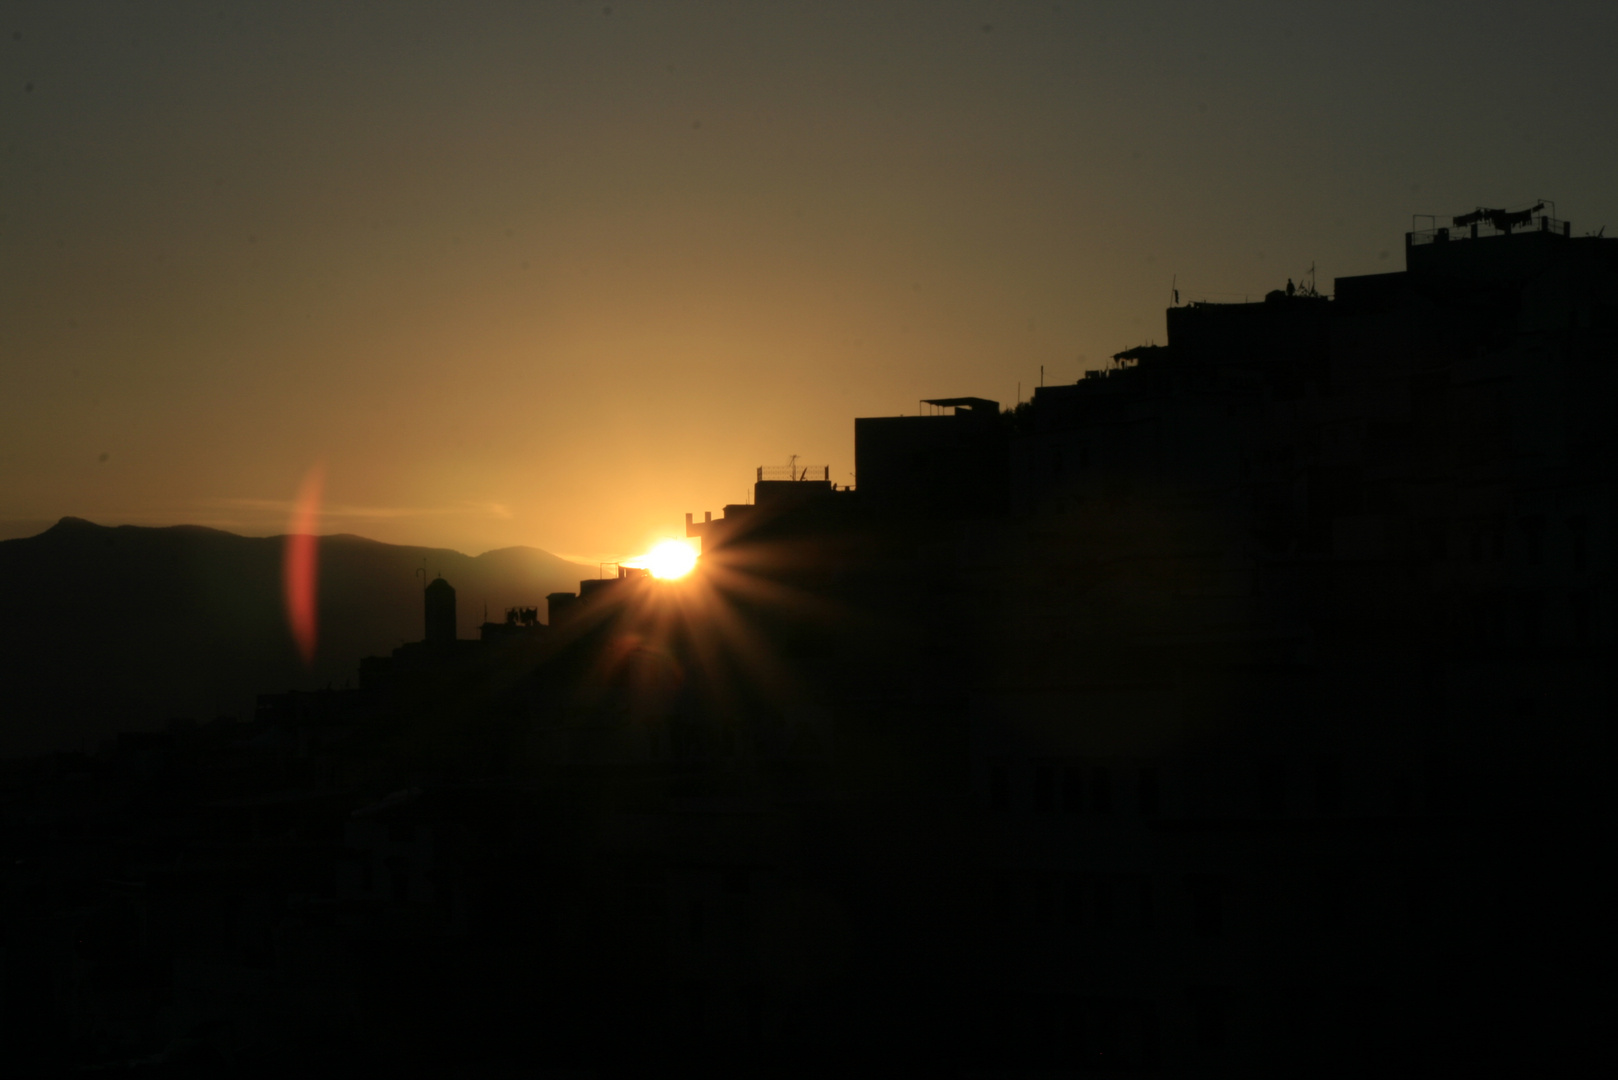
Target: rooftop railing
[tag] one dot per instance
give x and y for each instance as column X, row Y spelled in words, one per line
column 791, row 472
column 1478, row 230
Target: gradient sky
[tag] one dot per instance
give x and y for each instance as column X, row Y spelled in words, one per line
column 557, row 273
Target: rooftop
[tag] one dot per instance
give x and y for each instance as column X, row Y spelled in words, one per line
column 1485, row 222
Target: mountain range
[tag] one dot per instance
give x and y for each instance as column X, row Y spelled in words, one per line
column 105, row 629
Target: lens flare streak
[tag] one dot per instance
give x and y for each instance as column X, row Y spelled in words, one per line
column 301, row 566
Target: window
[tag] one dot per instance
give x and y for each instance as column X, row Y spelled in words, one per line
column 398, row 879
column 1073, row 789
column 1271, row 787
column 1044, row 789
column 1147, row 793
column 1533, row 531
column 691, row 1005
column 1073, row 901
column 1146, row 1017
column 1207, row 904
column 1401, row 795
column 1579, row 527
column 1103, row 903
column 1101, row 790
column 1208, row 1017
column 1530, row 612
column 1135, row 900
column 1298, row 1007
column 1328, row 787
column 999, row 787
column 1436, row 784
column 1581, row 608
column 1331, row 901
column 1105, row 1030
column 1045, row 901
column 1001, row 900
column 1418, row 898
column 1111, row 1035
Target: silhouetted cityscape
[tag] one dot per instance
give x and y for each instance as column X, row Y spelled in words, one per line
column 1238, row 709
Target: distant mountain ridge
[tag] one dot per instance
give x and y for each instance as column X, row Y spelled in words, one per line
column 107, row 628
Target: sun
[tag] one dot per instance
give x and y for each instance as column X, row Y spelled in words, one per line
column 669, row 559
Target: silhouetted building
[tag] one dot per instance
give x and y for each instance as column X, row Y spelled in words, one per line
column 559, row 605
column 1277, row 613
column 439, row 598
column 593, row 589
column 950, row 464
column 1240, row 710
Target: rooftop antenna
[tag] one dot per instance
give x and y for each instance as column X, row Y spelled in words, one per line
column 1174, row 289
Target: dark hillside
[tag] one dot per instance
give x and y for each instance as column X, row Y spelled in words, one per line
column 104, row 628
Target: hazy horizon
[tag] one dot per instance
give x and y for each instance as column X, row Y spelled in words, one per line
column 555, row 276
column 13, row 530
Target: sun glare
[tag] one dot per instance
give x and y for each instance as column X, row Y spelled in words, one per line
column 669, row 559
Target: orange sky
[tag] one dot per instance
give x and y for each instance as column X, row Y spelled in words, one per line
column 556, row 274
